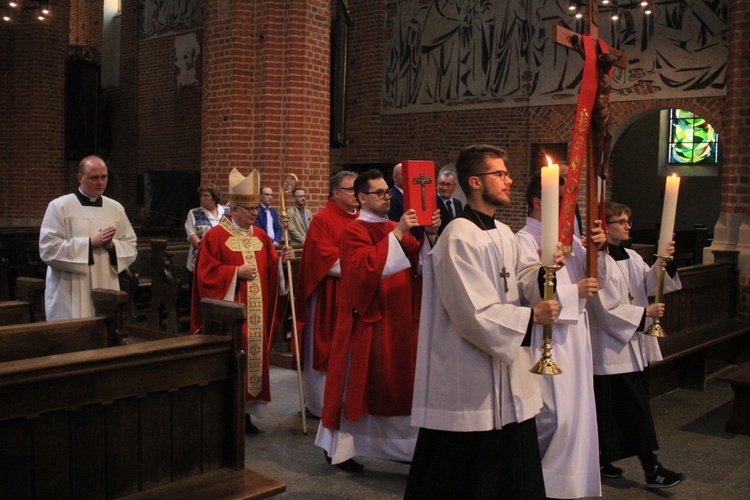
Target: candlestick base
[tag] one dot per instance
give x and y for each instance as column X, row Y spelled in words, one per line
column 655, row 330
column 546, row 366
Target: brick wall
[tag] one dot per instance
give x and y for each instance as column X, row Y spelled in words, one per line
column 32, row 100
column 268, row 109
column 736, row 195
column 374, row 137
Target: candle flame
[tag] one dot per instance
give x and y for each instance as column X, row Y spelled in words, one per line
column 674, row 174
column 549, row 161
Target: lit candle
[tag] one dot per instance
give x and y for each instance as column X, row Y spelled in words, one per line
column 550, row 211
column 668, row 213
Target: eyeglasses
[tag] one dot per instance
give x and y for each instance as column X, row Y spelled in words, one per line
column 622, row 222
column 249, row 209
column 502, row 174
column 380, row 193
column 299, row 195
column 349, row 189
column 446, row 184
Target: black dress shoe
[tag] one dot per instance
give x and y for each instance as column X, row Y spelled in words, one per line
column 250, row 427
column 351, row 466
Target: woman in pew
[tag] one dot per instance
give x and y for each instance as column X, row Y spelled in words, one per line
column 619, row 314
column 199, row 220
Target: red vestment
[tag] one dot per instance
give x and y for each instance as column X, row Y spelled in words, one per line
column 320, row 253
column 376, row 337
column 219, row 256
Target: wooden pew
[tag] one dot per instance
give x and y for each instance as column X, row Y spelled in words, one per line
column 159, row 419
column 31, row 340
column 29, row 306
column 136, row 282
column 704, row 331
column 739, row 378
column 171, row 284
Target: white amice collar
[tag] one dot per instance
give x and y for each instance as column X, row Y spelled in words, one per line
column 371, row 217
column 250, row 229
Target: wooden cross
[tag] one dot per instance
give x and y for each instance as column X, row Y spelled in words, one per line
column 565, row 37
column 422, row 180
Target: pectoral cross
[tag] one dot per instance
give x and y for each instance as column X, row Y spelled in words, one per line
column 565, row 37
column 504, row 274
column 422, row 180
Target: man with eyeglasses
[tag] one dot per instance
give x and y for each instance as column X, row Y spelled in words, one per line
column 371, row 367
column 319, row 285
column 474, row 395
column 619, row 315
column 238, row 262
column 449, row 207
column 268, row 217
column 299, row 218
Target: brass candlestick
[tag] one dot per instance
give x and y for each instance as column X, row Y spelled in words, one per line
column 546, row 365
column 655, row 330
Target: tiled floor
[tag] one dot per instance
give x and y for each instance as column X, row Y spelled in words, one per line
column 690, row 427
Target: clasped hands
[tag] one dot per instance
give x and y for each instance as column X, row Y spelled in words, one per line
column 104, row 238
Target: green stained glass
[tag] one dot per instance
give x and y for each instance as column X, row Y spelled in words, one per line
column 692, row 139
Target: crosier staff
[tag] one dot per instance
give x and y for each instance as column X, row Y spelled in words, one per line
column 288, row 182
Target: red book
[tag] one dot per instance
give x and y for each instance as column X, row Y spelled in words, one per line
column 420, row 189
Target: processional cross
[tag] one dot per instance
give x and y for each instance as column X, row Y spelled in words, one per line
column 422, row 180
column 592, row 142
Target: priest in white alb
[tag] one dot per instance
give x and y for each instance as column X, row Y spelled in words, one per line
column 86, row 240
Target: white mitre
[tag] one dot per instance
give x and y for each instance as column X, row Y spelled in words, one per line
column 244, row 190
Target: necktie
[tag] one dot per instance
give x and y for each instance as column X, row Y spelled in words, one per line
column 304, row 220
column 449, row 203
column 269, row 223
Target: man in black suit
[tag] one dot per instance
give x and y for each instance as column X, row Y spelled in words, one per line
column 450, row 207
column 268, row 218
column 397, row 195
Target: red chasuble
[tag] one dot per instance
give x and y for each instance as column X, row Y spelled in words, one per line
column 222, row 250
column 320, row 253
column 377, row 325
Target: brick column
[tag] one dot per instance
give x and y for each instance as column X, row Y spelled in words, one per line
column 266, row 67
column 732, row 231
column 32, row 121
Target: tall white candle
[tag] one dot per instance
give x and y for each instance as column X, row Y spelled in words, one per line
column 668, row 213
column 550, row 211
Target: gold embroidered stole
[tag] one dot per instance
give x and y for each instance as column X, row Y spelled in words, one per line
column 241, row 241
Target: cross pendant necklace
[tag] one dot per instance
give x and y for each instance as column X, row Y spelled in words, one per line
column 504, row 274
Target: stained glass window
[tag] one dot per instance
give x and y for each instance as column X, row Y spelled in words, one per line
column 692, row 140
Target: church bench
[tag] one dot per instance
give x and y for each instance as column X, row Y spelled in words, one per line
column 702, row 326
column 158, row 419
column 33, row 340
column 739, row 378
column 29, row 306
column 136, row 282
column 171, row 285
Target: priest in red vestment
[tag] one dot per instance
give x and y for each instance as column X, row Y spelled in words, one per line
column 370, row 374
column 238, row 262
column 318, row 284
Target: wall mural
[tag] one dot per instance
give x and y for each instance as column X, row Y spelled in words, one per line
column 456, row 54
column 161, row 17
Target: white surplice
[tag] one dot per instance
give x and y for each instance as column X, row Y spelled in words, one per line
column 472, row 373
column 617, row 345
column 568, row 441
column 64, row 247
